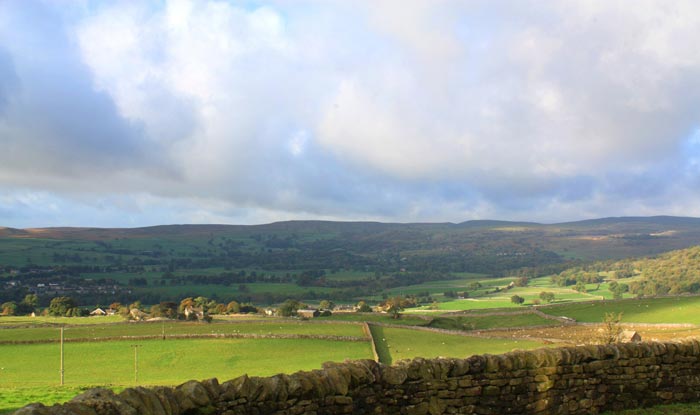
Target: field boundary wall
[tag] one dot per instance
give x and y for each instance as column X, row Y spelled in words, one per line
column 569, row 380
column 368, row 332
column 192, row 336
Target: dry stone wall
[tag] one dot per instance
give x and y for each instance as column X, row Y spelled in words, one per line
column 573, row 380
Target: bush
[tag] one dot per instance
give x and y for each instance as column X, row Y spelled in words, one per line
column 61, row 306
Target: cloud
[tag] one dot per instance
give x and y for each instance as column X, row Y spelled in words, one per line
column 399, row 110
column 54, row 126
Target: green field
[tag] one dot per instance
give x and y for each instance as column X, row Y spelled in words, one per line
column 477, row 322
column 675, row 409
column 56, row 321
column 24, row 369
column 405, row 320
column 646, row 310
column 211, row 290
column 475, row 304
column 394, row 344
column 460, row 283
column 182, row 328
column 169, row 362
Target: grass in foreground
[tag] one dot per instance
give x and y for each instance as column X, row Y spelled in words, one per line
column 14, row 398
column 25, row 370
column 675, row 409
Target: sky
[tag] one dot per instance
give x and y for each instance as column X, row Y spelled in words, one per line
column 138, row 113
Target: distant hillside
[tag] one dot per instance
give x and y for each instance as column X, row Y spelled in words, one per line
column 671, row 273
column 473, row 246
column 309, row 259
column 602, row 225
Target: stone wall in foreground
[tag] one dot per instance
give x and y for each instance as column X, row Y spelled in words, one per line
column 573, row 380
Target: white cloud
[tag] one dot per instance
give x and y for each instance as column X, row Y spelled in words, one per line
column 395, row 109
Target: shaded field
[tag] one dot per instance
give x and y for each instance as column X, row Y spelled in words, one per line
column 211, row 290
column 459, row 283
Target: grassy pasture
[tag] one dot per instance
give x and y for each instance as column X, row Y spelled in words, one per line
column 348, row 275
column 405, row 320
column 12, row 398
column 209, row 290
column 647, row 310
column 675, row 409
column 175, row 328
column 593, row 291
column 475, row 304
column 169, row 362
column 493, row 322
column 460, row 283
column 56, row 321
column 395, row 344
column 31, row 372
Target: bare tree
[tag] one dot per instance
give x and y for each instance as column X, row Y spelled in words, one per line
column 612, row 328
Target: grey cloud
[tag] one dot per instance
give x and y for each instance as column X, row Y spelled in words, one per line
column 505, row 109
column 8, row 79
column 57, row 122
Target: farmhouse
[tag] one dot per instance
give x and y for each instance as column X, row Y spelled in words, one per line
column 137, row 314
column 197, row 312
column 98, row 312
column 630, row 336
column 308, row 313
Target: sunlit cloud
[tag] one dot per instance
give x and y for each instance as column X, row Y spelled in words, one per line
column 398, row 110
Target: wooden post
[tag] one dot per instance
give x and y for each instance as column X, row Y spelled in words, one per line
column 61, row 369
column 136, row 363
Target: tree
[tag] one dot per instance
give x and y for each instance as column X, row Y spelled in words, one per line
column 326, row 305
column 204, row 303
column 363, row 307
column 289, row 308
column 547, row 296
column 580, row 286
column 166, row 309
column 521, row 282
column 233, row 307
column 516, row 299
column 612, row 328
column 31, row 301
column 218, row 309
column 9, row 308
column 61, row 306
column 186, row 302
column 395, row 306
column 617, row 289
